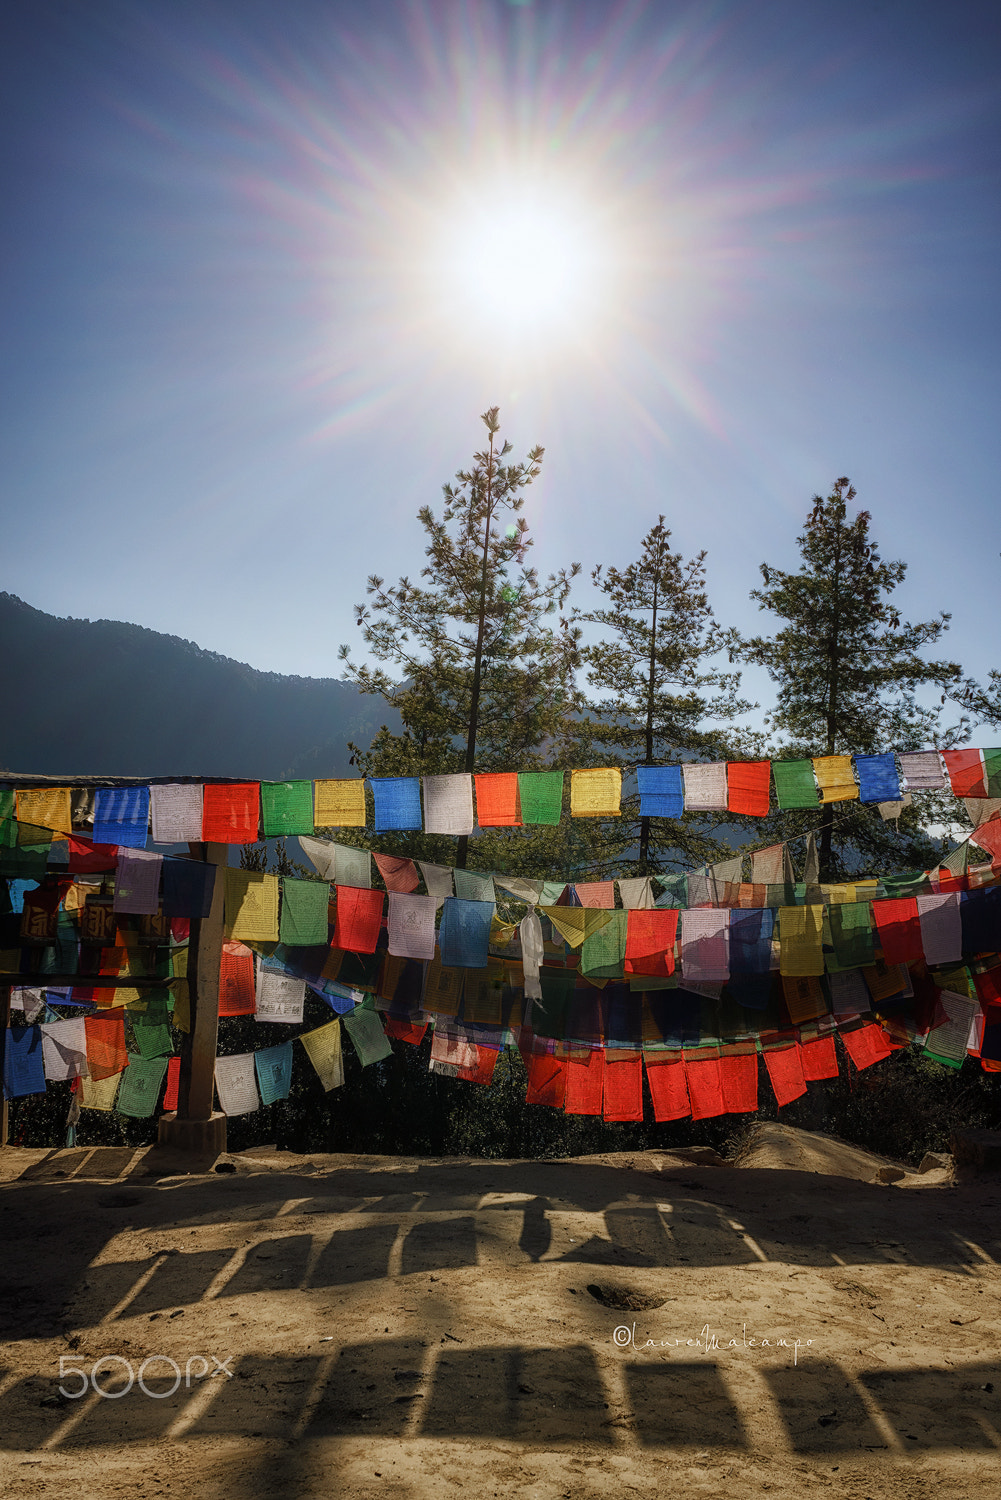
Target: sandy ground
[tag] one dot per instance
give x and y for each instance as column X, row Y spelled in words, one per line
column 395, row 1327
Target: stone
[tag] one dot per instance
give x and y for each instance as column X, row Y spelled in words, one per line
column 890, row 1174
column 935, row 1161
column 977, row 1150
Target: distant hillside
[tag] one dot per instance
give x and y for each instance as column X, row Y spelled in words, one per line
column 100, row 696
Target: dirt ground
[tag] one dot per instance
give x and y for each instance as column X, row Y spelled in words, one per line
column 400, row 1327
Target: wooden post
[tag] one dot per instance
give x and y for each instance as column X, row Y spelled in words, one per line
column 195, row 1127
column 4, row 1023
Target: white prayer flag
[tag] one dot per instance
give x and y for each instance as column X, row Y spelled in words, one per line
column 176, row 810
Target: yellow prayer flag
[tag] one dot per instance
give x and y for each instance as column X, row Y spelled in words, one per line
column 596, row 794
column 251, row 906
column 99, row 1093
column 836, row 778
column 575, row 923
column 801, row 940
column 47, row 808
column 804, row 998
column 339, row 804
column 442, row 988
column 181, row 1014
column 324, row 1050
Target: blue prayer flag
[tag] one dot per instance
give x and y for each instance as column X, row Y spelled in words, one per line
column 464, row 935
column 23, row 1069
column 751, row 940
column 661, row 791
column 121, row 816
column 877, row 778
column 187, row 887
column 274, row 1072
column 397, row 803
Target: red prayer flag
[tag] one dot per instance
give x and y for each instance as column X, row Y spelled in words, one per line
column 359, row 919
column 819, row 1058
column 546, row 1080
column 668, row 1088
column 596, row 893
column 106, row 1053
column 988, row 837
column 497, row 801
column 585, row 1083
column 785, row 1070
column 173, row 1083
column 705, row 1087
column 899, row 929
column 236, row 981
column 483, row 1072
column 622, row 1096
column 650, row 939
column 988, row 986
column 86, row 857
column 405, row 1031
column 866, row 1046
column 230, row 813
column 398, row 874
column 748, row 783
column 966, row 772
column 740, row 1083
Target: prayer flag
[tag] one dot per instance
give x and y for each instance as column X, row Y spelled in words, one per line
column 339, row 804
column 622, row 1097
column 281, row 997
column 966, row 772
column 398, row 874
column 772, row 866
column 230, row 812
column 140, row 1088
column 236, row 980
column 794, row 783
column 171, row 1092
column 497, row 801
column 99, row 1093
column 660, row 789
column 236, row 1084
column 748, row 787
column 596, row 893
column 448, row 804
column 106, row 1052
column 397, row 803
column 137, row 882
column 835, row 778
column 121, row 815
column 851, row 934
column 650, row 937
column 64, row 1049
column 323, row 1048
column 541, row 796
column 878, row 779
column 176, row 809
column 866, row 1046
column 818, row 1059
column 739, row 1076
column 187, row 887
column 705, row 944
column 899, row 930
column 411, row 925
column 273, row 1066
column 585, row 1078
column 359, row 919
column 922, row 770
column 304, row 912
column 637, row 895
column 596, row 793
column 801, row 940
column 473, row 885
column 85, row 858
column 705, row 787
column 465, row 933
column 365, row 1030
column 804, row 998
column 286, row 808
column 46, row 807
column 668, row 1089
column 251, row 906
column 785, row 1070
column 705, row 1084
column 603, row 953
column 941, row 928
column 751, row 940
column 438, row 880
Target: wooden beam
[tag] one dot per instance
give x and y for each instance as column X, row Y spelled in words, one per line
column 5, row 1019
column 196, row 1082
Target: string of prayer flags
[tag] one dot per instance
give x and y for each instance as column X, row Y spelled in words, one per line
column 48, row 807
column 230, row 813
column 274, row 1072
column 106, row 1052
column 660, row 789
column 705, row 944
column 121, row 815
column 749, row 787
column 236, row 1084
column 705, row 787
column 637, row 895
column 286, row 808
column 358, row 919
column 411, row 925
column 596, row 793
column 438, row 881
column 448, row 804
column 188, row 885
column 801, row 940
column 251, row 906
column 650, row 938
column 878, row 779
column 364, row 1028
column 398, row 874
column 137, row 882
column 794, row 783
column 281, row 997
column 176, row 813
column 497, row 802
column 323, row 1048
column 64, row 1049
column 541, row 796
column 922, row 771
column 140, row 1087
column 835, row 778
column 464, row 936
column 237, row 995
column 397, row 803
column 303, row 921
column 966, row 772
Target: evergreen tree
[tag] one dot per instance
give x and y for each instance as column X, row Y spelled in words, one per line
column 483, row 673
column 659, row 694
column 848, row 669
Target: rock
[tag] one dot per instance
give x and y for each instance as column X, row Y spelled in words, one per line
column 890, row 1174
column 935, row 1161
column 977, row 1150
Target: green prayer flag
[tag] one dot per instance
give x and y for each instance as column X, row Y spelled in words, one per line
column 603, row 953
column 304, row 912
column 140, row 1086
column 541, row 794
column 286, row 808
column 992, row 773
column 795, row 785
column 913, row 884
column 6, row 803
column 549, row 1015
column 851, row 935
column 364, row 1028
column 150, row 1028
column 18, row 863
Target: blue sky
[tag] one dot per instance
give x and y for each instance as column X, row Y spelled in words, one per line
column 241, row 344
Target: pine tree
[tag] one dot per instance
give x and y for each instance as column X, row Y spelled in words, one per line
column 483, row 665
column 848, row 669
column 660, row 695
